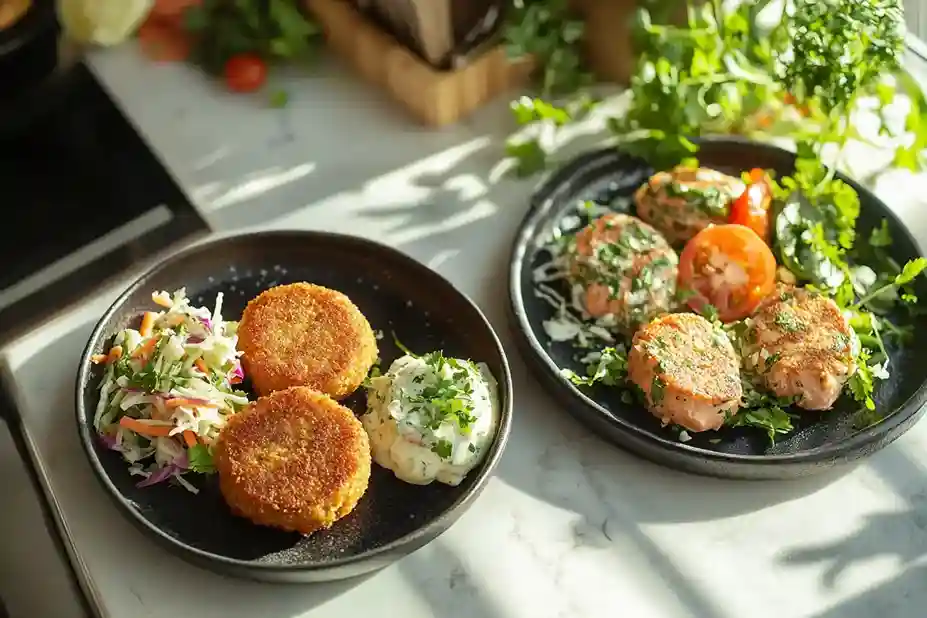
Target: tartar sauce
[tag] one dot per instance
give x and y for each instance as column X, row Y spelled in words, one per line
column 431, row 417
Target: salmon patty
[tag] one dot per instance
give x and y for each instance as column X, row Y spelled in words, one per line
column 802, row 347
column 626, row 270
column 684, row 201
column 305, row 335
column 688, row 371
column 296, row 460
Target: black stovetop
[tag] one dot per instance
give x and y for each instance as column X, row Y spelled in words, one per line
column 84, row 199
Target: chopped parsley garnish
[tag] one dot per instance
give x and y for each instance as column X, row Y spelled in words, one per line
column 709, row 199
column 788, row 321
column 657, row 390
column 442, row 448
column 200, row 459
column 762, row 411
column 710, row 312
column 440, row 396
column 611, row 370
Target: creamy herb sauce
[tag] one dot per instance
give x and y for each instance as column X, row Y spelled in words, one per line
column 431, row 417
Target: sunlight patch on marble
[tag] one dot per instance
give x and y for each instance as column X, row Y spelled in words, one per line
column 213, row 196
column 441, row 257
column 482, row 209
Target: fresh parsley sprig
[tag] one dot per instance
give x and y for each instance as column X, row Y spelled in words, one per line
column 549, row 34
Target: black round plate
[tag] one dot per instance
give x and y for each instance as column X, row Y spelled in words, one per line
column 397, row 294
column 821, row 440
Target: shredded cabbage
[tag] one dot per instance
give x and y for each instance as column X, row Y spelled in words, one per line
column 166, row 394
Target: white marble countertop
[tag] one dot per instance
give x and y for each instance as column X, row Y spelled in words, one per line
column 570, row 527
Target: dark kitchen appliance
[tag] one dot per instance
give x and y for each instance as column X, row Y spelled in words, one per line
column 84, row 199
column 83, row 196
column 28, row 46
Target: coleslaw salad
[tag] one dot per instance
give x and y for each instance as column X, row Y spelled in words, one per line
column 168, row 389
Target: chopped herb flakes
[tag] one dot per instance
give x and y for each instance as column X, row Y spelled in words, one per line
column 788, row 321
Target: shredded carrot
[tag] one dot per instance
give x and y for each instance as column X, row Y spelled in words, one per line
column 764, row 120
column 789, row 98
column 176, row 402
column 144, row 350
column 234, row 380
column 189, row 437
column 114, row 354
column 160, row 300
column 154, row 431
column 147, row 323
column 201, row 366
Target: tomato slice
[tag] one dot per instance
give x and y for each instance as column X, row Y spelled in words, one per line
column 751, row 209
column 245, row 73
column 729, row 267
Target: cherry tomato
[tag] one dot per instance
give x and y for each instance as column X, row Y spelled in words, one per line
column 728, row 267
column 751, row 209
column 245, row 73
column 162, row 42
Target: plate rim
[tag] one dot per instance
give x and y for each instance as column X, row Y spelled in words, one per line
column 415, row 539
column 586, row 409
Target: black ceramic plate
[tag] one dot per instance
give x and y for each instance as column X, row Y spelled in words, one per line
column 397, row 294
column 820, row 441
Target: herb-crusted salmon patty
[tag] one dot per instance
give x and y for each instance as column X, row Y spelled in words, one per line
column 802, row 347
column 626, row 268
column 688, row 371
column 684, row 201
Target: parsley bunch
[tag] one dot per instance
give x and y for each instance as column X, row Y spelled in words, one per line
column 840, row 48
column 273, row 29
column 725, row 70
column 548, row 31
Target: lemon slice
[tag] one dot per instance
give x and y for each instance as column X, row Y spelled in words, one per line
column 102, row 22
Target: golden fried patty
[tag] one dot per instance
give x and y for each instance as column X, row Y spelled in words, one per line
column 304, row 334
column 688, row 371
column 296, row 460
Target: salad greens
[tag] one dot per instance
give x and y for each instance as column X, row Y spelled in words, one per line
column 272, row 29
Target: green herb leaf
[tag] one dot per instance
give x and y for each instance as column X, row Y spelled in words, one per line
column 279, row 98
column 402, row 347
column 442, row 448
column 611, row 370
column 548, row 31
column 530, row 157
column 200, row 459
column 762, row 411
column 881, row 236
column 911, row 270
